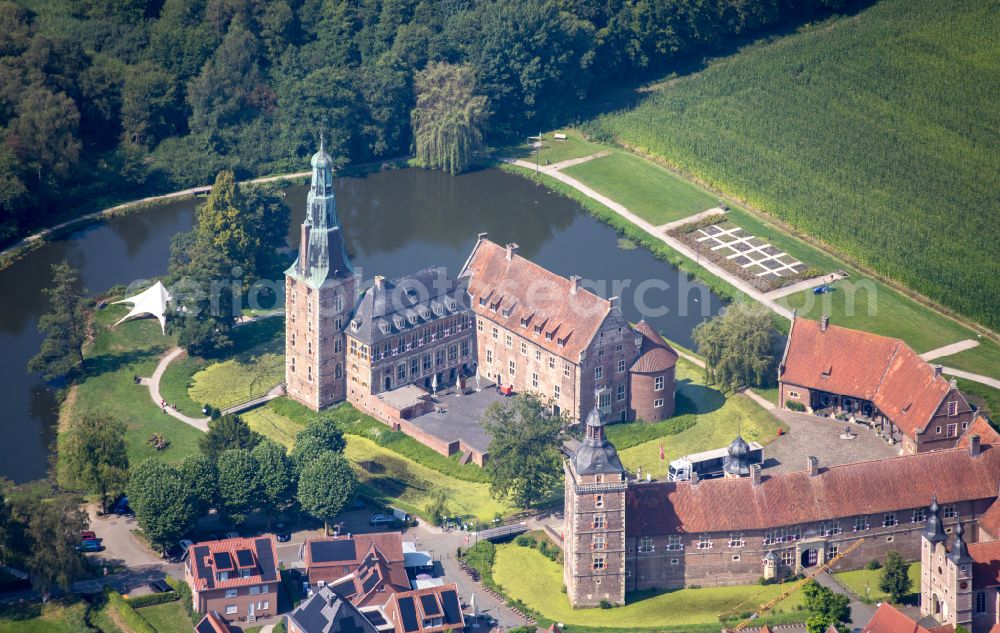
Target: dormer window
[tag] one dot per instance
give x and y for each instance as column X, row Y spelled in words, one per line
column 524, row 322
column 482, row 301
column 953, row 407
column 494, row 306
column 399, row 321
column 548, row 336
column 538, row 329
column 383, row 326
column 450, row 303
column 505, row 312
column 355, row 325
column 561, row 342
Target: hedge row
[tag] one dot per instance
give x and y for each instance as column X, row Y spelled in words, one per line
column 130, row 617
column 151, row 599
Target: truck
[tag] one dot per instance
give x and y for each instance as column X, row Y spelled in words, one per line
column 708, row 464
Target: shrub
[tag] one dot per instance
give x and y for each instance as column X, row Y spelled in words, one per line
column 129, row 616
column 873, row 565
column 606, row 605
column 184, row 593
column 152, row 599
column 795, row 405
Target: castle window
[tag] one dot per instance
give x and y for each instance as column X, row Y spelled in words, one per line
column 674, row 543
column 511, row 367
column 465, row 348
column 438, row 357
column 293, row 339
column 452, row 353
column 552, row 362
column 496, row 333
column 338, row 345
column 293, row 364
column 980, row 602
column 524, row 348
column 787, row 558
column 489, row 356
column 736, row 558
column 309, row 306
column 830, row 528
column 338, row 371
column 567, row 368
column 598, row 521
column 705, row 541
column 538, row 355
column 555, row 392
column 832, row 549
column 598, row 373
column 509, row 340
column 534, row 380
column 889, row 520
column 479, row 325
column 309, row 373
column 600, row 542
column 890, row 539
column 427, row 362
column 861, row 524
column 598, row 501
column 657, row 403
column 401, row 371
column 338, row 324
column 736, row 539
column 919, row 515
column 619, row 347
column 414, row 366
column 953, row 407
column 338, row 303
column 675, row 561
column 621, row 392
column 658, row 383
column 951, row 430
column 949, row 512
column 646, row 545
column 309, row 348
column 598, row 563
column 600, row 352
column 621, row 366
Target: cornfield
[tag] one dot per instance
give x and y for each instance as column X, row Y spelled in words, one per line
column 878, row 134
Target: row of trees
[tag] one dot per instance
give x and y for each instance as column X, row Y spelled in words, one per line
column 101, row 98
column 239, row 472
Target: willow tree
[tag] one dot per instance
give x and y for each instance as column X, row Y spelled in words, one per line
column 448, row 118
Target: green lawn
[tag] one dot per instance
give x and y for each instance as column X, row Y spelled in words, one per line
column 251, row 369
column 271, row 424
column 169, row 617
column 526, row 575
column 717, row 420
column 984, row 359
column 982, row 396
column 115, row 356
column 401, row 482
column 865, row 582
column 176, row 381
column 874, row 132
column 53, row 617
column 645, row 188
column 553, row 151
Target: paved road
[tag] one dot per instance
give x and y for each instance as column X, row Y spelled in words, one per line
column 861, row 613
column 805, row 284
column 697, row 217
column 986, row 380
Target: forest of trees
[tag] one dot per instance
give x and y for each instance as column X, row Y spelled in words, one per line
column 102, row 99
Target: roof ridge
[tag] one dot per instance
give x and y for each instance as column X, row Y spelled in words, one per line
column 542, row 269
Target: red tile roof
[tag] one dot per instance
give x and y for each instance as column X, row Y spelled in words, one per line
column 655, row 355
column 534, row 293
column 889, row 619
column 373, row 581
column 898, row 483
column 868, row 366
column 389, row 544
column 990, row 520
column 985, row 564
column 996, row 628
column 444, row 604
column 204, row 572
column 980, row 426
column 212, row 623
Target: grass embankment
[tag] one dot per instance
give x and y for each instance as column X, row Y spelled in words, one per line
column 643, row 187
column 864, row 582
column 526, row 575
column 873, row 132
column 53, row 617
column 706, row 419
column 169, row 617
column 254, row 367
column 107, row 388
column 552, row 150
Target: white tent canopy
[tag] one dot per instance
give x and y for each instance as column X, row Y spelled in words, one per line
column 152, row 300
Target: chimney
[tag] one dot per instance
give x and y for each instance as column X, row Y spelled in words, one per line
column 824, row 323
column 482, row 237
column 974, row 447
column 379, row 282
column 574, row 283
column 755, row 475
column 511, row 249
column 813, row 466
column 937, row 370
column 615, row 302
column 953, row 383
column 694, row 478
column 304, row 248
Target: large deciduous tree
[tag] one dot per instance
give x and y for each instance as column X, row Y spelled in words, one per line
column 326, row 486
column 448, row 118
column 239, row 487
column 740, row 346
column 229, row 431
column 51, row 531
column 826, row 607
column 202, row 479
column 319, row 436
column 164, row 504
column 94, row 457
column 64, row 325
column 275, row 476
column 524, row 463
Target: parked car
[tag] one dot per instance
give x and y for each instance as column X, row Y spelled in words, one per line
column 232, row 535
column 121, row 507
column 282, row 534
column 159, row 586
column 185, row 546
column 87, row 535
column 90, row 546
column 380, row 519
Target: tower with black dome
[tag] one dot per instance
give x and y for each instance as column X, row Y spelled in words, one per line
column 594, row 520
column 320, row 289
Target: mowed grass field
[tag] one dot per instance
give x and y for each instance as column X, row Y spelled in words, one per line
column 864, row 582
column 53, row 617
column 648, row 190
column 875, row 133
column 528, row 576
column 169, row 617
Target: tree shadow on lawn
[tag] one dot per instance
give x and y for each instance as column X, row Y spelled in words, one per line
column 640, row 596
column 106, row 363
column 697, row 399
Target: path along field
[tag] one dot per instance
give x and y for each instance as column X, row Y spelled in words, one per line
column 875, row 133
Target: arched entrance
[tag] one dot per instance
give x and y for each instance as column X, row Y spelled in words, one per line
column 935, row 604
column 810, row 557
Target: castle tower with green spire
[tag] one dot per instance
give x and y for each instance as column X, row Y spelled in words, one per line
column 320, row 289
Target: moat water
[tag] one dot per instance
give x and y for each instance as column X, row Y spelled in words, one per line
column 395, row 222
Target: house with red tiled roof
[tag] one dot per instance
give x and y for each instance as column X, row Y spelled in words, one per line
column 880, row 380
column 623, row 535
column 541, row 332
column 235, row 577
column 889, row 619
column 213, row 622
column 328, row 560
column 428, row 610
